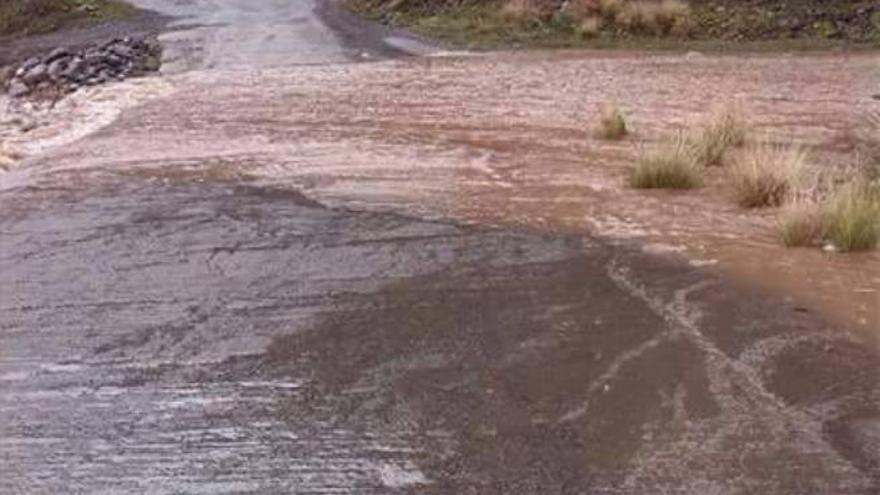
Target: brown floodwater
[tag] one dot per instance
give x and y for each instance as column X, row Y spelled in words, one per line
column 506, row 140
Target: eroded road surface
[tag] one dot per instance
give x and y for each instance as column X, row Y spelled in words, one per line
column 359, row 279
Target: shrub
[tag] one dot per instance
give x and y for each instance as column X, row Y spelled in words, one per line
column 590, row 27
column 37, row 16
column 612, row 124
column 610, row 9
column 726, row 128
column 652, row 17
column 670, row 166
column 766, row 174
column 522, row 10
column 801, row 225
column 583, row 8
column 851, row 217
column 7, row 158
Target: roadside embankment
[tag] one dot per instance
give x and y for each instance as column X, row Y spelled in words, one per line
column 649, row 23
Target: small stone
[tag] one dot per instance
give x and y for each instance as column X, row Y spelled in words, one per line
column 60, row 52
column 57, row 68
column 122, row 51
column 114, row 60
column 29, row 63
column 17, row 89
column 36, row 74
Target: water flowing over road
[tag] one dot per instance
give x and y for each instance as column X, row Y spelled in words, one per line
column 276, row 271
column 211, row 34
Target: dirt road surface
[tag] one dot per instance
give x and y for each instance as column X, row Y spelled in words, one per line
column 424, row 276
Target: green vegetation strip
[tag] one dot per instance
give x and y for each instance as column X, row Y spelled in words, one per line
column 24, row 17
column 705, row 25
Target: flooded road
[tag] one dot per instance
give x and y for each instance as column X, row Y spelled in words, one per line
column 213, row 34
column 422, row 276
column 183, row 335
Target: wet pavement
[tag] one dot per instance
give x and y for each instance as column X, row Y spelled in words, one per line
column 216, row 337
column 213, row 34
column 397, row 278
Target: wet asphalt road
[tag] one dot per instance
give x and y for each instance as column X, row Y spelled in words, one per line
column 213, row 337
column 180, row 334
column 214, row 34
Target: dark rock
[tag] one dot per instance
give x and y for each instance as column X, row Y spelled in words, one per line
column 114, row 60
column 60, row 52
column 122, row 51
column 66, row 70
column 57, row 68
column 29, row 63
column 35, row 74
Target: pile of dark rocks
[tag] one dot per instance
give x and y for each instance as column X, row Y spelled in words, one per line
column 67, row 70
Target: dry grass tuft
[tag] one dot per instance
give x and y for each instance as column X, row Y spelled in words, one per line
column 652, row 17
column 522, row 10
column 725, row 129
column 670, row 166
column 870, row 147
column 590, row 27
column 851, row 217
column 612, row 124
column 801, row 225
column 7, row 158
column 767, row 174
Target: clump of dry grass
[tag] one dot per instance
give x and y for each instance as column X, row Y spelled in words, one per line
column 870, row 147
column 851, row 217
column 612, row 123
column 7, row 158
column 767, row 174
column 652, row 17
column 670, row 166
column 725, row 129
column 848, row 219
column 590, row 27
column 656, row 17
column 801, row 224
column 522, row 10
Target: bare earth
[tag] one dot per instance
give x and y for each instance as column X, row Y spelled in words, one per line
column 425, row 276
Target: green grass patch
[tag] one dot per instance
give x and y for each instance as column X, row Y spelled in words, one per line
column 848, row 220
column 852, row 218
column 634, row 24
column 25, row 17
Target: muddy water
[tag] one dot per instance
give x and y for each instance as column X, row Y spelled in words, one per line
column 198, row 331
column 127, row 309
column 180, row 314
column 222, row 33
column 506, row 140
